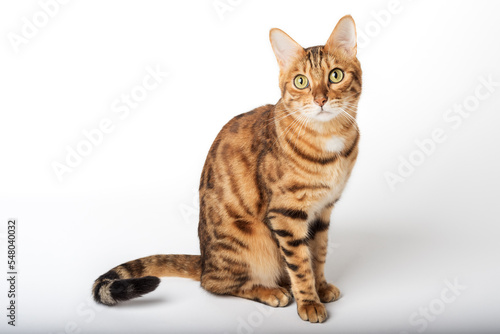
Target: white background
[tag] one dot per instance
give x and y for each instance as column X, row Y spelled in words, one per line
column 393, row 250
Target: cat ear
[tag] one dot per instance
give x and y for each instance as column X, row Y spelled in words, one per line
column 343, row 37
column 285, row 48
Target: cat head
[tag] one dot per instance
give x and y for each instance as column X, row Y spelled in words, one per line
column 319, row 82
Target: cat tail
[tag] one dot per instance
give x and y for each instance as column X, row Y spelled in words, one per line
column 138, row 277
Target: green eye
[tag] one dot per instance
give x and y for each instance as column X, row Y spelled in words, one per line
column 336, row 75
column 301, row 81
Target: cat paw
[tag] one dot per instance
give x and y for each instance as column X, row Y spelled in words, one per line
column 312, row 312
column 328, row 293
column 278, row 297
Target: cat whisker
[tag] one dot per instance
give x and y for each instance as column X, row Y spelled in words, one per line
column 301, row 125
column 353, row 107
column 351, row 95
column 347, row 110
column 287, row 114
column 349, row 118
column 287, row 129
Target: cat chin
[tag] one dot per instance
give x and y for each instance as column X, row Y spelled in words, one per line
column 324, row 116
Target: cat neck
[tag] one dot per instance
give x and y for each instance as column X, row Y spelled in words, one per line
column 322, row 138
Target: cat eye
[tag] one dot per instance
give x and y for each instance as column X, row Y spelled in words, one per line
column 336, row 75
column 301, row 81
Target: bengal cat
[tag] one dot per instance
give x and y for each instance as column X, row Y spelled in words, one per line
column 268, row 187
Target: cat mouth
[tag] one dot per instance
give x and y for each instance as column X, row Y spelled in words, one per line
column 323, row 115
column 323, row 112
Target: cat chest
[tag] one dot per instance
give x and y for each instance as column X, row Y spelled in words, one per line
column 315, row 189
column 333, row 144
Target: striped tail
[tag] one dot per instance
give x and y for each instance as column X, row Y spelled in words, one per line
column 138, row 277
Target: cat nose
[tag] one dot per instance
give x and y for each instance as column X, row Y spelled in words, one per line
column 320, row 101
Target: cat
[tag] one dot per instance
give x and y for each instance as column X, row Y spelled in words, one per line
column 268, row 187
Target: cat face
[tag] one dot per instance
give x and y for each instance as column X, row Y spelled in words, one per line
column 319, row 82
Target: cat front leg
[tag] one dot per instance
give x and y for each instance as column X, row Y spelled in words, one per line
column 290, row 228
column 318, row 245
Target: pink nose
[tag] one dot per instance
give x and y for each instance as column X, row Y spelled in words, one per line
column 320, row 101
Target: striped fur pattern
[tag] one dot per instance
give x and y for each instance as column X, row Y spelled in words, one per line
column 138, row 277
column 268, row 187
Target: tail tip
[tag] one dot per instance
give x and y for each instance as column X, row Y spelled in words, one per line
column 125, row 289
column 144, row 285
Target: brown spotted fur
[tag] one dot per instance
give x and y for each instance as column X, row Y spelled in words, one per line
column 267, row 191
